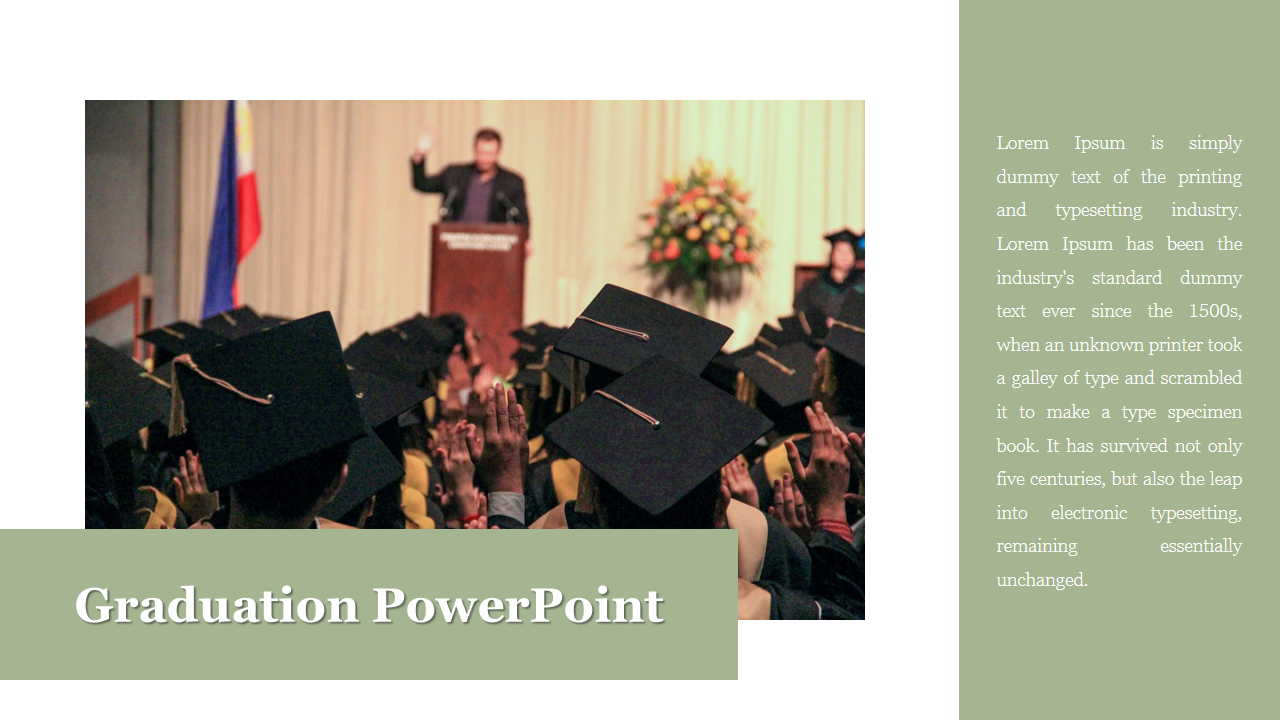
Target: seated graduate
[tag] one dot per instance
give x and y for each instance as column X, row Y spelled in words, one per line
column 123, row 399
column 820, row 298
column 837, row 380
column 273, row 416
column 371, row 497
column 836, row 589
column 543, row 380
column 780, row 383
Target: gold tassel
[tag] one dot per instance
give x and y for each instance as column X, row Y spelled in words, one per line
column 586, row 501
column 828, row 375
column 177, row 411
column 579, row 380
column 745, row 390
column 560, row 394
column 544, row 392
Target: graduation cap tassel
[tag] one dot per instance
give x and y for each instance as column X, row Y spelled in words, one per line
column 586, row 500
column 579, row 382
column 828, row 375
column 177, row 412
column 544, row 393
column 745, row 390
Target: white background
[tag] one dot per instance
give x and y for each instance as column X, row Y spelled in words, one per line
column 903, row 661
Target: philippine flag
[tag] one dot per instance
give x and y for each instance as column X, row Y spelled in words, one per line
column 236, row 223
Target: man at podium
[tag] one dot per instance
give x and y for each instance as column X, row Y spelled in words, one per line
column 477, row 192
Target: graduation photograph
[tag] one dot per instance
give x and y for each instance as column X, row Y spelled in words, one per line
column 485, row 314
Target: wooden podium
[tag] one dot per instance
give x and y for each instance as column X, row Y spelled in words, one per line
column 477, row 271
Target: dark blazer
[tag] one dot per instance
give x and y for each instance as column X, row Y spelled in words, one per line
column 506, row 203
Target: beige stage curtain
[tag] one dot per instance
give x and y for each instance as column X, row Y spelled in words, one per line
column 343, row 230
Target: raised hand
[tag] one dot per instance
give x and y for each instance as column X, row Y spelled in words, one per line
column 456, row 469
column 482, row 521
column 856, row 452
column 790, row 509
column 475, row 416
column 826, row 479
column 738, row 480
column 423, row 145
column 193, row 492
column 499, row 467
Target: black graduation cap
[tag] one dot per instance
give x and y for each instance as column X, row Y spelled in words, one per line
column 527, row 354
column 370, row 467
column 527, row 377
column 276, row 396
column 846, row 235
column 722, row 371
column 178, row 339
column 233, row 324
column 556, row 364
column 426, row 336
column 816, row 320
column 560, row 368
column 421, row 341
column 621, row 329
column 795, row 328
column 381, row 399
column 848, row 333
column 785, row 375
column 539, row 334
column 657, row 433
column 121, row 396
column 384, row 355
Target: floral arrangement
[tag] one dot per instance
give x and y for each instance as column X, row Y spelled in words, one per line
column 702, row 236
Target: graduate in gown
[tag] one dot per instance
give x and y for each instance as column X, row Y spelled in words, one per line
column 274, row 418
column 821, row 297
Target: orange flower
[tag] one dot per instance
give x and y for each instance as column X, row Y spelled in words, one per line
column 743, row 231
column 723, row 233
column 713, row 251
column 673, row 250
column 688, row 198
column 699, row 191
column 693, row 233
column 668, row 188
column 740, row 256
column 652, row 220
column 716, row 186
column 741, row 242
column 655, row 256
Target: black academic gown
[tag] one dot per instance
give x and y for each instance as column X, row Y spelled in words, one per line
column 787, row 561
column 836, row 587
column 101, row 510
column 824, row 295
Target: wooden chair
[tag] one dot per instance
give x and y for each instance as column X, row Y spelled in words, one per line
column 804, row 273
column 136, row 291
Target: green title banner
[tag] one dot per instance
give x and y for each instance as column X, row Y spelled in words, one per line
column 262, row 604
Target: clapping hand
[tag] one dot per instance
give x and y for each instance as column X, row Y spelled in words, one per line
column 738, row 479
column 790, row 509
column 453, row 460
column 826, row 480
column 193, row 492
column 856, row 452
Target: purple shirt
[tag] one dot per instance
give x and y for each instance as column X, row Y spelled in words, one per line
column 478, row 193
